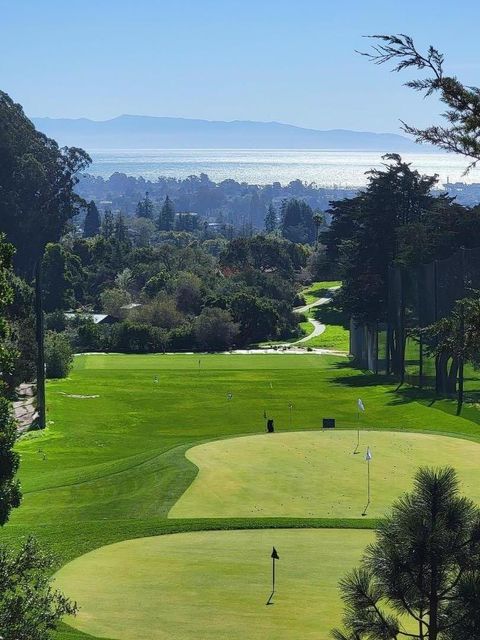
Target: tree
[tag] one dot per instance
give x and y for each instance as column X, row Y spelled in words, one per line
column 62, row 272
column 58, row 355
column 271, row 219
column 29, row 608
column 297, row 221
column 108, row 224
column 9, row 460
column 318, row 220
column 113, row 300
column 37, row 185
column 215, row 329
column 145, row 208
column 92, row 221
column 454, row 341
column 462, row 134
column 166, row 220
column 421, row 577
column 363, row 235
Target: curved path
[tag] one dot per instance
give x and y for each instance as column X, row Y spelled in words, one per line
column 318, row 327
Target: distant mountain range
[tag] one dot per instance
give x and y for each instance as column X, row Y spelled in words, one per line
column 148, row 132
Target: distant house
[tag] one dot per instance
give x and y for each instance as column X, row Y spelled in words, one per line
column 98, row 318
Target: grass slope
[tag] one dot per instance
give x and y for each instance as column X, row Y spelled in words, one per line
column 110, row 468
column 214, row 585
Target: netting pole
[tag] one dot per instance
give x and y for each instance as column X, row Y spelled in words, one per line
column 461, row 359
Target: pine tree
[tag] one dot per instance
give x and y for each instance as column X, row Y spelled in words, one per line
column 422, row 573
column 166, row 220
column 145, row 208
column 92, row 221
column 271, row 219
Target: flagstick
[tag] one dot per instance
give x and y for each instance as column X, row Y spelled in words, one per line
column 368, row 489
column 358, row 433
column 274, row 557
column 269, row 601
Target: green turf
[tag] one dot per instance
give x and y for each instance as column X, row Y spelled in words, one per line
column 316, row 474
column 111, row 468
column 214, row 585
column 319, row 290
column 335, row 337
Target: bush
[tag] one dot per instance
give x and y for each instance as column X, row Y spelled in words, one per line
column 215, row 329
column 58, row 355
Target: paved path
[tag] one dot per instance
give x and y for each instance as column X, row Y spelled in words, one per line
column 318, row 327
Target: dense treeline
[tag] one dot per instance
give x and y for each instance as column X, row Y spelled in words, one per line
column 238, row 205
column 182, row 293
column 395, row 221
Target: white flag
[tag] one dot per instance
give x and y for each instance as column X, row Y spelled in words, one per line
column 368, row 455
column 360, row 404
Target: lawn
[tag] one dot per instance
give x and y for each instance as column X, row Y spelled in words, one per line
column 319, row 290
column 317, row 474
column 111, row 465
column 172, row 587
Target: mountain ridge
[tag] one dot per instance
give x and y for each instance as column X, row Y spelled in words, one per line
column 152, row 132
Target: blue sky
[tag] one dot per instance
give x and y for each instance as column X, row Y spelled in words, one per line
column 265, row 60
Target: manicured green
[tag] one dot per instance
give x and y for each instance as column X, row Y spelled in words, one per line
column 110, row 468
column 214, row 585
column 312, row 474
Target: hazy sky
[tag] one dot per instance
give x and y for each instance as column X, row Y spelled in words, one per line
column 292, row 61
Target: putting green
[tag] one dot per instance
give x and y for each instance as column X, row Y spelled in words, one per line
column 316, row 474
column 214, row 585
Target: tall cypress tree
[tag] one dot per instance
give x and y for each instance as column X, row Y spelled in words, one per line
column 92, row 221
column 271, row 219
column 166, row 220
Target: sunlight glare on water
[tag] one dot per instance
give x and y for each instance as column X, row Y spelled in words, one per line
column 265, row 166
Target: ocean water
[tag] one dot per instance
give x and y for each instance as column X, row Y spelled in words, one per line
column 264, row 166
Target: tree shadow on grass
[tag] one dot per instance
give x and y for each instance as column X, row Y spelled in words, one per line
column 404, row 394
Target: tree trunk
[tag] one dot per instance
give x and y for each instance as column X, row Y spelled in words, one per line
column 452, row 377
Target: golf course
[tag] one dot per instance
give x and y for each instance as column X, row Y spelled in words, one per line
column 161, row 496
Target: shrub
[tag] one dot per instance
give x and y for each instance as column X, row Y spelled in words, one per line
column 215, row 329
column 58, row 355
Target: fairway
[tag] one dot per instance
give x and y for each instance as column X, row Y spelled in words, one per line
column 112, row 466
column 214, row 585
column 316, row 474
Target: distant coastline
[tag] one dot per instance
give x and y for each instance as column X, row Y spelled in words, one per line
column 325, row 168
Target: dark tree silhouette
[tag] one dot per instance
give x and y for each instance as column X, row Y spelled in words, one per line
column 421, row 578
column 462, row 133
column 92, row 221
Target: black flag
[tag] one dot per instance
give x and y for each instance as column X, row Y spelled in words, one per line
column 275, row 555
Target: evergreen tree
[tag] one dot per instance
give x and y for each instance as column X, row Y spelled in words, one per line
column 120, row 229
column 62, row 270
column 145, row 208
column 297, row 221
column 9, row 487
column 92, row 221
column 166, row 220
column 37, row 185
column 271, row 219
column 423, row 572
column 108, row 224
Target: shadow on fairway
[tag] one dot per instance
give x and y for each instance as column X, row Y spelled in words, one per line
column 399, row 395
